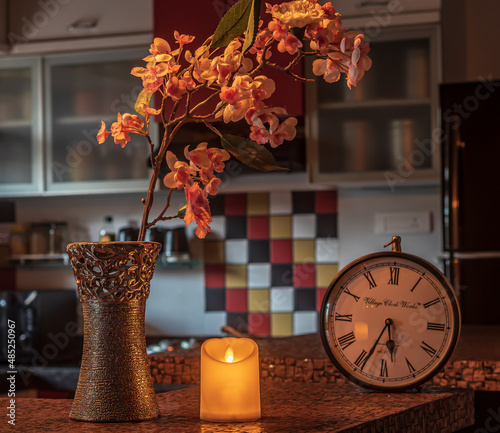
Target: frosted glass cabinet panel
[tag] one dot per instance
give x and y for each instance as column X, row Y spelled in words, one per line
column 379, row 131
column 20, row 133
column 85, row 89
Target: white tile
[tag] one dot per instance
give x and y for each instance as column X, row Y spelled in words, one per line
column 173, row 310
column 236, row 252
column 213, row 321
column 280, row 203
column 304, row 226
column 259, row 276
column 327, row 250
column 282, row 299
column 218, row 227
column 305, row 322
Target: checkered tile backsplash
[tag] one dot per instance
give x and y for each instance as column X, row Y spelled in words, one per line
column 270, row 258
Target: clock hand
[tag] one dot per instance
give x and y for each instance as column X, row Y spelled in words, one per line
column 390, row 344
column 370, row 353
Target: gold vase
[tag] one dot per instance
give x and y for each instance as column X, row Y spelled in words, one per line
column 113, row 280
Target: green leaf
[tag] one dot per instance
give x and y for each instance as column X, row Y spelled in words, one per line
column 250, row 153
column 233, row 23
column 143, row 97
column 252, row 25
column 181, row 212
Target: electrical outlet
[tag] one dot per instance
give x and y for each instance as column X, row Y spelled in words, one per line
column 403, row 222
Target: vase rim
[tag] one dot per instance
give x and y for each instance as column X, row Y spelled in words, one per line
column 114, row 243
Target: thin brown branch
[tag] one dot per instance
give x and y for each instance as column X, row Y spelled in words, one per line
column 148, row 202
column 212, row 128
column 202, row 103
column 161, row 217
column 151, row 149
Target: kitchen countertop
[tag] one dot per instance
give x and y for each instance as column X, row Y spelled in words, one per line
column 286, row 407
column 476, row 343
column 475, row 362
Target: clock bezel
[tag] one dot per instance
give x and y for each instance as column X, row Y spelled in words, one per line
column 454, row 310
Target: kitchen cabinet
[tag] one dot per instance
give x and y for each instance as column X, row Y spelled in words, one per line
column 62, row 156
column 380, row 131
column 374, row 8
column 20, row 127
column 83, row 89
column 53, row 25
column 471, row 35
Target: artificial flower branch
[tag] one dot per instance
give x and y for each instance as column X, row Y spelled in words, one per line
column 230, row 66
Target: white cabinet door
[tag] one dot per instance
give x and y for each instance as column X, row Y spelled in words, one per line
column 20, row 127
column 381, row 131
column 352, row 8
column 83, row 89
column 35, row 20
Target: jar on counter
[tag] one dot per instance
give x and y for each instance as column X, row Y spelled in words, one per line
column 48, row 238
column 39, row 238
column 18, row 240
column 58, row 238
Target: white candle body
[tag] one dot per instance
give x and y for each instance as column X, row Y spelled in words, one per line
column 230, row 391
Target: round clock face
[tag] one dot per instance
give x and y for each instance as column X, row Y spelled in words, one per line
column 389, row 321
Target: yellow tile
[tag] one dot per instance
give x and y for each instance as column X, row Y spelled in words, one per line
column 236, row 276
column 281, row 324
column 325, row 274
column 258, row 203
column 214, row 252
column 258, row 300
column 304, row 251
column 280, row 227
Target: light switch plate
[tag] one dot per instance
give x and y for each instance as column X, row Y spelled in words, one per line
column 403, row 222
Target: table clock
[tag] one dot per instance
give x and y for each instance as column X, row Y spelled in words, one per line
column 389, row 320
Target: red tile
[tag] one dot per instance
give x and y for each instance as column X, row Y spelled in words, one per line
column 326, row 201
column 304, row 275
column 215, row 276
column 320, row 294
column 281, row 251
column 259, row 324
column 235, row 204
column 258, row 227
column 236, row 300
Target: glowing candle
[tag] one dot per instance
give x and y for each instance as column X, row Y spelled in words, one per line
column 230, row 386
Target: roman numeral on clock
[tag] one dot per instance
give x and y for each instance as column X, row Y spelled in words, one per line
column 435, row 326
column 428, row 349
column 410, row 367
column 346, row 290
column 431, row 303
column 394, row 276
column 361, row 358
column 383, row 369
column 346, row 340
column 343, row 317
column 368, row 275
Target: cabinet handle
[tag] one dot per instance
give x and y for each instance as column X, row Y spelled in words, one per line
column 82, row 25
column 371, row 3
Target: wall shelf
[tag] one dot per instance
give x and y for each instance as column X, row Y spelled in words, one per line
column 62, row 260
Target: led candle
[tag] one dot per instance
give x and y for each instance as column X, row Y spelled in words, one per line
column 230, row 386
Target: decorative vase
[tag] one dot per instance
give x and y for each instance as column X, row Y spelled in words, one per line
column 113, row 280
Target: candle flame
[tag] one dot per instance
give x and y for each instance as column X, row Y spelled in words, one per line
column 229, row 357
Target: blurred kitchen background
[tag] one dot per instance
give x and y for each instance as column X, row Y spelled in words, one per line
column 366, row 163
